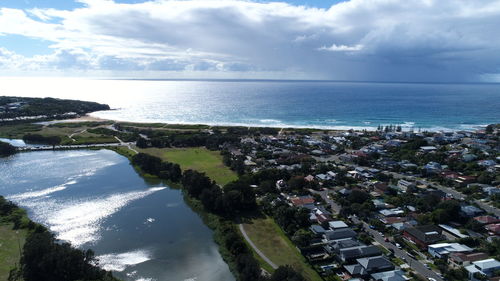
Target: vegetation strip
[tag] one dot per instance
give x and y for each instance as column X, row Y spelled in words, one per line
column 255, row 248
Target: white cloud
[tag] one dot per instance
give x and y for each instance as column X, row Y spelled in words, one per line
column 374, row 39
column 342, row 48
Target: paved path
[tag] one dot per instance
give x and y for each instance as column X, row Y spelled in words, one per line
column 128, row 144
column 76, row 133
column 255, row 248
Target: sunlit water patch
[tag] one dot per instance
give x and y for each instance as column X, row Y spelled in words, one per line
column 95, row 199
column 118, row 262
column 80, row 221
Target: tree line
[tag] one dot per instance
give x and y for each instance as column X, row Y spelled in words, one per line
column 6, row 149
column 155, row 166
column 39, row 139
column 47, row 106
column 225, row 203
column 46, row 259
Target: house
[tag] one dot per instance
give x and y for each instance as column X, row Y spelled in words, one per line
column 487, row 219
column 323, row 177
column 355, row 269
column 324, row 219
column 458, row 260
column 486, row 163
column 424, row 235
column 309, row 178
column 491, row 190
column 337, row 225
column 379, row 204
column 393, row 275
column 470, row 211
column 393, row 220
column 433, row 167
column 428, row 148
column 392, row 212
column 375, row 264
column 351, row 254
column 493, row 228
column 381, row 188
column 339, row 234
column 453, row 231
column 406, row 186
column 483, row 267
column 335, row 246
column 301, row 201
column 442, row 250
column 318, row 230
column 464, row 180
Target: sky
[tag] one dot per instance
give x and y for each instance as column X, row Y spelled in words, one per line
column 357, row 40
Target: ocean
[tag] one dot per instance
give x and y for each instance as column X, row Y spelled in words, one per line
column 329, row 105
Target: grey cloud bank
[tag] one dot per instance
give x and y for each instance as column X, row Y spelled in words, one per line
column 387, row 40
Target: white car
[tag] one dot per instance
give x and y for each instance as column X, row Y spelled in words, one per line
column 431, row 279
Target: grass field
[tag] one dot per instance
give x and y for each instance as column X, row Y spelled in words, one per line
column 197, row 158
column 9, row 248
column 271, row 240
column 18, row 130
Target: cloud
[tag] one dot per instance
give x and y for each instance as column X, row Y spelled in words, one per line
column 443, row 40
column 342, row 48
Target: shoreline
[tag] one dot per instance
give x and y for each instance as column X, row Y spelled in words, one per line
column 405, row 126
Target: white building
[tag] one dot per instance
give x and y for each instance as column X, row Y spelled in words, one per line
column 485, row 267
column 444, row 249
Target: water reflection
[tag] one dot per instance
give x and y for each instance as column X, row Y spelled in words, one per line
column 94, row 199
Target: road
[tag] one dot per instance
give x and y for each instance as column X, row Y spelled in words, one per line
column 413, row 263
column 128, row 144
column 324, row 194
column 456, row 194
column 266, row 259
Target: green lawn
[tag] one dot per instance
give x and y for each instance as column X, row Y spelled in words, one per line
column 271, row 240
column 9, row 248
column 17, row 131
column 197, row 158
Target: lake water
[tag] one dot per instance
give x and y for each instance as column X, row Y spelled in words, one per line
column 339, row 105
column 94, row 199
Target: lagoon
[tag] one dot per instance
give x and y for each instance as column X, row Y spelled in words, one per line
column 141, row 230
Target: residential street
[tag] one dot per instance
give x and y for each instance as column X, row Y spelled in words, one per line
column 413, row 263
column 457, row 195
column 324, row 194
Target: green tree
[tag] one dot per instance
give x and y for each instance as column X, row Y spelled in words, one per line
column 302, row 237
column 6, row 149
